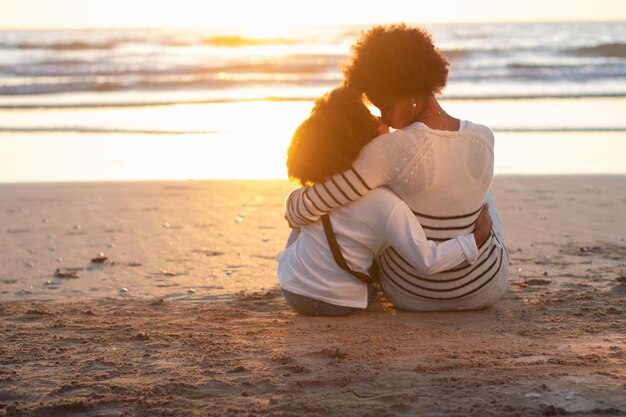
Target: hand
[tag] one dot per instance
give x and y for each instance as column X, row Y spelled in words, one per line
column 483, row 226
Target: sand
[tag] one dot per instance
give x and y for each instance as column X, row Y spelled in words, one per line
column 183, row 340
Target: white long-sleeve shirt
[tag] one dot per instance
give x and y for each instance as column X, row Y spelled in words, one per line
column 363, row 229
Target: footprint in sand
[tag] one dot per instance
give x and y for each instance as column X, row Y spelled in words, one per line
column 131, row 264
column 67, row 273
column 271, row 258
column 229, row 269
column 16, row 231
column 537, row 281
column 208, row 252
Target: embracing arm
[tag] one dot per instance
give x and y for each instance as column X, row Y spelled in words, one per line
column 376, row 165
column 307, row 204
column 406, row 236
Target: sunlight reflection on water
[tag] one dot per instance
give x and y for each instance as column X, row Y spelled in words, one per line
column 249, row 140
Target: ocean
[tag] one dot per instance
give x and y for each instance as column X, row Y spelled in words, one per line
column 96, row 104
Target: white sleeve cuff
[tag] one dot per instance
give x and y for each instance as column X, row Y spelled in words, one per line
column 468, row 244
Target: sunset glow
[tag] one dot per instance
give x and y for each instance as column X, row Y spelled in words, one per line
column 96, row 90
column 268, row 17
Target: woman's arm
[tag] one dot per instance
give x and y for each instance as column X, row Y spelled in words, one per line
column 405, row 234
column 377, row 164
column 307, row 204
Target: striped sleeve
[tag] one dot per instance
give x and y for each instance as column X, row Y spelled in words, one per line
column 377, row 164
column 306, row 205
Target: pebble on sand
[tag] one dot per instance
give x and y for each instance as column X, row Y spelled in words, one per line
column 99, row 259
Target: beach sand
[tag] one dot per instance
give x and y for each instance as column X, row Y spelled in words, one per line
column 184, row 339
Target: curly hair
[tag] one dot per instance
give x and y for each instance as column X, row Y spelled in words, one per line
column 396, row 60
column 331, row 138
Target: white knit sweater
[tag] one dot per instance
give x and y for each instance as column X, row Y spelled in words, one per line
column 444, row 177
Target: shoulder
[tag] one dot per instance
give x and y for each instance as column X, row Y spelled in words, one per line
column 383, row 194
column 380, row 199
column 394, row 142
column 482, row 132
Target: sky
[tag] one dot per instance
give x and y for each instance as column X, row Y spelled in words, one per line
column 255, row 16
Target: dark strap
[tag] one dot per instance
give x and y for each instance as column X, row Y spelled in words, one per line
column 341, row 261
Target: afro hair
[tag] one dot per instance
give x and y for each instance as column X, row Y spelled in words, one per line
column 396, row 60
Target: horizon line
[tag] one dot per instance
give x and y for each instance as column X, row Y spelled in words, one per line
column 427, row 22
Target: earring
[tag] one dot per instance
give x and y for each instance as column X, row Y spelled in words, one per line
column 413, row 103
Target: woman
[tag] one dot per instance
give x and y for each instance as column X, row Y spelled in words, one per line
column 442, row 167
column 310, row 276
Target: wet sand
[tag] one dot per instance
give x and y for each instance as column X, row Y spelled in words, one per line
column 555, row 344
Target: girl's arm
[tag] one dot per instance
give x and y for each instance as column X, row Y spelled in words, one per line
column 405, row 234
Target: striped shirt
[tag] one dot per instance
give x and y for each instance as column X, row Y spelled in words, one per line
column 444, row 177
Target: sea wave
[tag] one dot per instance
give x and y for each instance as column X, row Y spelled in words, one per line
column 539, row 71
column 567, row 79
column 615, row 50
column 544, row 59
column 108, row 130
column 212, row 41
column 193, row 81
column 288, row 64
column 232, row 42
column 215, row 41
column 295, row 98
column 607, row 50
column 152, row 103
column 60, row 46
column 558, row 129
